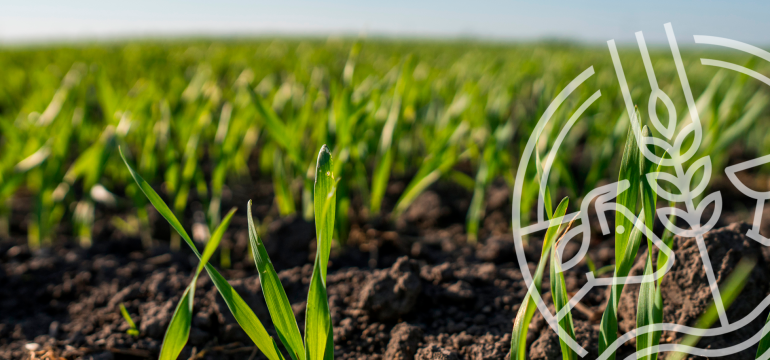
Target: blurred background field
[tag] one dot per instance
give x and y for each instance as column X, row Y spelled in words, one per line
column 213, row 123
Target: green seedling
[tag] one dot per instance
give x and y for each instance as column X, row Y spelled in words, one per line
column 318, row 336
column 179, row 328
column 391, row 112
column 560, row 300
column 385, row 149
column 489, row 168
column 132, row 330
column 626, row 242
column 318, row 340
column 528, row 305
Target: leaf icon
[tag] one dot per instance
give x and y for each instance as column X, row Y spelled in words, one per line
column 692, row 219
column 658, row 94
column 682, row 184
column 705, row 163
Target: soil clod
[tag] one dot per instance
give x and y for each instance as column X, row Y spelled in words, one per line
column 404, row 341
column 434, row 352
column 390, row 293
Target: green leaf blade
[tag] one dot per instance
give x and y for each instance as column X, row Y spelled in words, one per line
column 318, row 327
column 277, row 302
column 645, row 311
column 627, row 235
column 179, row 328
column 764, row 344
column 324, row 204
column 160, row 206
column 240, row 310
column 629, row 171
column 528, row 307
column 608, row 331
column 560, row 301
column 214, row 241
column 380, row 180
column 545, row 193
column 245, row 317
column 133, row 331
column 318, row 318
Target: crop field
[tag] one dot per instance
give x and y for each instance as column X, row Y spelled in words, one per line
column 126, row 169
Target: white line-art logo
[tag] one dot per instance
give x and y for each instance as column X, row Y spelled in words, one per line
column 678, row 152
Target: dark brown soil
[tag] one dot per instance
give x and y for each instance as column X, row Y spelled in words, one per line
column 413, row 289
column 686, row 290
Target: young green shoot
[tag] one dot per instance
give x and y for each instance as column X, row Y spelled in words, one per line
column 318, row 342
column 240, row 310
column 566, row 329
column 132, row 330
column 528, row 305
column 627, row 236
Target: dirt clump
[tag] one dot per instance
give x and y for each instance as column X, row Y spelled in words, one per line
column 435, row 352
column 424, row 212
column 404, row 341
column 497, row 249
column 390, row 293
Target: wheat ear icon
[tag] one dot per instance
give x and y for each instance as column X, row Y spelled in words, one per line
column 677, row 155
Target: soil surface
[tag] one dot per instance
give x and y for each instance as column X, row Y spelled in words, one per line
column 686, row 290
column 409, row 289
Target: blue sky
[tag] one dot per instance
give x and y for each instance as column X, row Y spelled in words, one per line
column 587, row 21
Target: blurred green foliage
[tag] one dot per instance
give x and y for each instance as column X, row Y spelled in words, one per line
column 198, row 115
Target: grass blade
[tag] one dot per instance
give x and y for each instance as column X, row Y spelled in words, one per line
column 627, row 236
column 275, row 296
column 764, row 344
column 318, row 327
column 132, row 326
column 528, row 306
column 668, row 239
column 380, row 181
column 545, row 193
column 240, row 310
column 245, row 317
column 645, row 310
column 277, row 129
column 324, row 202
column 434, row 171
column 560, row 300
column 179, row 328
column 476, row 208
column 649, row 196
column 214, row 240
column 282, row 187
column 384, row 159
column 318, row 317
column 629, row 170
column 608, row 331
column 650, row 303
